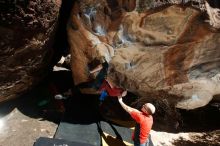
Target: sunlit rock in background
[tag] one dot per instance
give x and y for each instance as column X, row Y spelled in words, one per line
column 169, row 55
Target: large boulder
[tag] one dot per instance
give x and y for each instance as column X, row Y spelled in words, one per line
column 168, row 56
column 27, row 29
column 172, row 49
column 177, row 53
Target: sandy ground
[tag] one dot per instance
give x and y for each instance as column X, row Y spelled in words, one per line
column 17, row 129
column 174, row 139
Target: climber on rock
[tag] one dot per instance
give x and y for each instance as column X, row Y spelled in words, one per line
column 102, row 70
column 100, row 81
column 107, row 88
column 104, row 84
column 144, row 122
column 97, row 72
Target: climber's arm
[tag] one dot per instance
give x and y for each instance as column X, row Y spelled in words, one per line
column 98, row 68
column 124, row 106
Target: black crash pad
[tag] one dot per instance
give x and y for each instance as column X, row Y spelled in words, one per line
column 116, row 131
column 43, row 141
column 91, row 133
column 86, row 133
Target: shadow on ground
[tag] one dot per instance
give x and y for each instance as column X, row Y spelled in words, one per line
column 203, row 119
column 209, row 139
column 39, row 102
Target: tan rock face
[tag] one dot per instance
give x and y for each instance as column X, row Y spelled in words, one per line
column 169, row 54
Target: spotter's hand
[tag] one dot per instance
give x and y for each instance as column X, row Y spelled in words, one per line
column 124, row 93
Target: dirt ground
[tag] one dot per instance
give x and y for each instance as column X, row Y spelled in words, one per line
column 21, row 126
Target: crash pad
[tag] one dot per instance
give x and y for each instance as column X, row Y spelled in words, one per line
column 44, row 141
column 85, row 133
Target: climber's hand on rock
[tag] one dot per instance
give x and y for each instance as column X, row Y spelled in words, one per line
column 124, row 93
